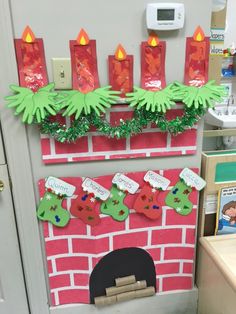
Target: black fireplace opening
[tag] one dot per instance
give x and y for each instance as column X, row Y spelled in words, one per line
column 121, row 263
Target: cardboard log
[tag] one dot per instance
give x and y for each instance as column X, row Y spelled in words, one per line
column 122, row 281
column 117, row 290
column 104, row 300
column 125, row 296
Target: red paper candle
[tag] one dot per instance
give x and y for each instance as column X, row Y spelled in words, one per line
column 153, row 54
column 31, row 61
column 84, row 63
column 121, row 71
column 196, row 59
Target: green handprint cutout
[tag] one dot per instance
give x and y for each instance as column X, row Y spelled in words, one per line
column 33, row 105
column 204, row 96
column 158, row 101
column 97, row 101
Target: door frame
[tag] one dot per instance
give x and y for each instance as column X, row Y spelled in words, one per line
column 18, row 159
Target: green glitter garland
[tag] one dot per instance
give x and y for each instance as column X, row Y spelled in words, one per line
column 88, row 109
column 126, row 128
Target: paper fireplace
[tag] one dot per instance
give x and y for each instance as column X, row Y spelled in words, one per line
column 73, row 251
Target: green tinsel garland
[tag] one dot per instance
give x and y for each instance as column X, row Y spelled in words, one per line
column 126, row 128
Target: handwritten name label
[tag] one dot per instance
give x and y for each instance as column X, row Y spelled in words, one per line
column 125, row 184
column 59, row 186
column 192, row 179
column 156, row 180
column 93, row 187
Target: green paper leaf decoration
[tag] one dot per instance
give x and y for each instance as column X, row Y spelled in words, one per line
column 98, row 101
column 204, row 96
column 159, row 101
column 33, row 106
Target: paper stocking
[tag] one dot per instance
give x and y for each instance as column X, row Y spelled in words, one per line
column 178, row 199
column 147, row 204
column 50, row 209
column 114, row 206
column 83, row 208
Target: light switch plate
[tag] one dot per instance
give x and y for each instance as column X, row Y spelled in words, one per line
column 61, row 69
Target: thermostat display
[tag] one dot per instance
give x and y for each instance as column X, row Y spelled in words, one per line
column 165, row 16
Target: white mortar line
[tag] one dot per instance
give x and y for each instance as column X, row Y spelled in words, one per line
column 70, row 246
column 168, row 141
column 90, row 255
column 128, row 143
column 54, row 267
column 181, row 266
column 90, row 145
column 111, row 243
column 167, row 261
column 149, row 240
column 72, row 281
column 56, row 296
column 52, row 146
column 124, row 152
column 88, row 231
column 70, row 288
column 174, row 275
column 183, row 235
column 50, row 230
column 162, row 254
column 127, row 223
column 163, row 222
column 66, row 272
column 105, row 235
column 90, row 264
column 160, row 284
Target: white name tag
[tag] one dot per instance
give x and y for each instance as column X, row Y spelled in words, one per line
column 192, row 179
column 59, row 186
column 157, row 181
column 93, row 187
column 124, row 183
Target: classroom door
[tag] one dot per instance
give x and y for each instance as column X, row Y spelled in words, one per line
column 12, row 288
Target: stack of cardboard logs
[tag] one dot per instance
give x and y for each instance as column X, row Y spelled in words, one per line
column 126, row 288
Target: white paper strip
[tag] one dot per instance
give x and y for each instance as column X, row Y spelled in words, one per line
column 124, row 183
column 93, row 187
column 156, row 180
column 192, row 179
column 59, row 186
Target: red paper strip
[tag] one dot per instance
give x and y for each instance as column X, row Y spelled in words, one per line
column 84, row 63
column 31, row 61
column 197, row 59
column 153, row 65
column 121, row 71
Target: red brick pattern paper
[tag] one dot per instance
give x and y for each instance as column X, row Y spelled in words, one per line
column 73, row 251
column 151, row 142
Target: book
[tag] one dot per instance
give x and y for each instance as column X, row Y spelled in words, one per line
column 226, row 211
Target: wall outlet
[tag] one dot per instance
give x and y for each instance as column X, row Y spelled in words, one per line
column 61, row 69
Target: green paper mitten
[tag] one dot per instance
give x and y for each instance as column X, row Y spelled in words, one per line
column 50, row 209
column 177, row 198
column 98, row 101
column 33, row 106
column 114, row 206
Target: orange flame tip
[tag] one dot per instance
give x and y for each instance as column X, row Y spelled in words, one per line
column 198, row 34
column 120, row 53
column 82, row 38
column 28, row 35
column 153, row 40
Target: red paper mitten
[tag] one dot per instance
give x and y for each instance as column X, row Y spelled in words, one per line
column 84, row 205
column 147, row 201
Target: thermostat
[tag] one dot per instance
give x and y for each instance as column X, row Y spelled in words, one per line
column 165, row 16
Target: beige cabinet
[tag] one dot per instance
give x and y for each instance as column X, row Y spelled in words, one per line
column 216, row 275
